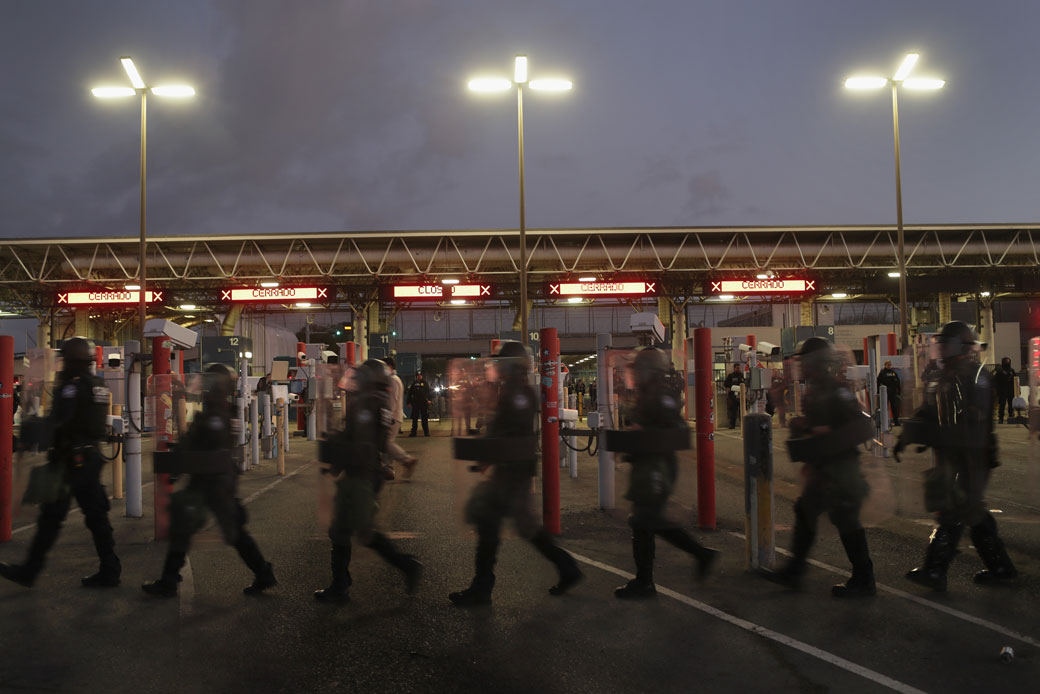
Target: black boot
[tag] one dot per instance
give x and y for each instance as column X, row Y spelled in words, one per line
column 263, row 574
column 166, row 586
column 411, row 567
column 705, row 556
column 110, row 570
column 642, row 586
column 566, row 567
column 861, row 584
column 22, row 574
column 942, row 547
column 793, row 572
column 479, row 591
column 988, row 544
column 107, row 575
column 338, row 590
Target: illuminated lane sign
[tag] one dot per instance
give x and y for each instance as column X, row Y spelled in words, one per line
column 768, row 286
column 589, row 289
column 275, row 294
column 413, row 292
column 105, row 297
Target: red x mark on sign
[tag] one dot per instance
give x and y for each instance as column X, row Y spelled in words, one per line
column 716, row 286
column 485, row 290
column 554, row 289
column 225, row 295
column 810, row 285
column 156, row 296
column 322, row 292
column 651, row 287
column 63, row 298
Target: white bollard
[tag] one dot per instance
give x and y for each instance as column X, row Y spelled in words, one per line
column 254, row 433
column 606, row 458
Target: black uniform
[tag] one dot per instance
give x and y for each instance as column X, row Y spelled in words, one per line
column 832, row 427
column 218, row 491
column 507, row 492
column 358, row 470
column 957, row 421
column 732, row 398
column 419, row 399
column 890, row 379
column 653, row 480
column 1004, row 384
column 77, row 424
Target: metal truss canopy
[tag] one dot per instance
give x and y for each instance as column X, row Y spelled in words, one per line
column 354, row 258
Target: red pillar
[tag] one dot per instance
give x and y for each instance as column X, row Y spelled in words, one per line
column 686, row 377
column 301, row 414
column 704, row 386
column 549, row 353
column 890, row 345
column 6, row 435
column 351, row 353
column 99, row 352
column 162, row 393
column 866, row 350
column 180, row 362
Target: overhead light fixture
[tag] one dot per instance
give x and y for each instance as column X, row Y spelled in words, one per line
column 586, row 279
column 725, row 297
column 839, row 295
column 249, row 355
column 458, row 302
column 983, row 293
column 132, row 287
column 893, row 274
column 189, row 316
column 489, row 84
column 269, row 285
column 574, row 300
column 174, row 90
column 761, row 276
column 449, row 281
column 303, row 304
column 187, row 307
column 209, row 320
column 112, row 92
column 131, row 72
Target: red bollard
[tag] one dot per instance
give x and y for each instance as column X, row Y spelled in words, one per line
column 99, row 351
column 686, row 378
column 890, row 345
column 549, row 357
column 162, row 392
column 6, row 435
column 704, row 386
column 351, row 353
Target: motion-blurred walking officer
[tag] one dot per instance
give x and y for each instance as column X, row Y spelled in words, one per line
column 419, row 397
column 76, row 423
column 508, row 490
column 956, row 420
column 654, row 470
column 355, row 460
column 732, row 386
column 826, row 437
column 1004, row 384
column 889, row 378
column 210, row 438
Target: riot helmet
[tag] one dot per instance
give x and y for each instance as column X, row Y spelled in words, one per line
column 819, row 360
column 649, row 366
column 374, row 375
column 219, row 385
column 77, row 354
column 1005, row 363
column 513, row 361
column 955, row 340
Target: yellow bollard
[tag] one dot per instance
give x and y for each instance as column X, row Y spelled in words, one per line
column 278, row 437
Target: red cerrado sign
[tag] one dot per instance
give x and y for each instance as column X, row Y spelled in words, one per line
column 604, row 288
column 764, row 286
column 276, row 294
column 103, row 296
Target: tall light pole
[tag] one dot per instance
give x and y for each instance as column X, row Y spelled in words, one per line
column 500, row 84
column 899, row 79
column 138, row 87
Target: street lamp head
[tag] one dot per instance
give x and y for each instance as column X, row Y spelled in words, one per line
column 131, row 72
column 553, row 85
column 906, row 66
column 174, row 90
column 865, row 82
column 520, row 69
column 923, row 83
column 112, row 92
column 489, row 84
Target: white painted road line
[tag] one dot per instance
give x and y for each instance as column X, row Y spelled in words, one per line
column 939, row 607
column 765, row 632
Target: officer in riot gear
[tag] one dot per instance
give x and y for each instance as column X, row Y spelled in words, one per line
column 507, row 491
column 732, row 385
column 956, row 420
column 354, row 457
column 826, row 438
column 655, row 414
column 77, row 423
column 210, row 437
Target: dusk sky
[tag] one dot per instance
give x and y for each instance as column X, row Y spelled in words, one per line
column 353, row 115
